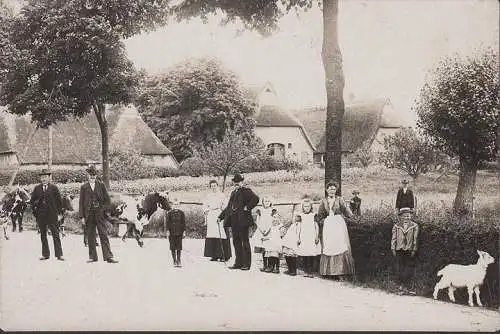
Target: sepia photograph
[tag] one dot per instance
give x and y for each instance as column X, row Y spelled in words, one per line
column 250, row 165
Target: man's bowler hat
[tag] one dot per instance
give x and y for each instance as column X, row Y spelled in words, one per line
column 45, row 171
column 92, row 170
column 237, row 178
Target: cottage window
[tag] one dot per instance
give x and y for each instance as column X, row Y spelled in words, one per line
column 289, row 145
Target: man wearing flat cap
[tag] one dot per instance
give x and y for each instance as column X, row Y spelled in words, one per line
column 405, row 197
column 94, row 201
column 237, row 215
column 47, row 208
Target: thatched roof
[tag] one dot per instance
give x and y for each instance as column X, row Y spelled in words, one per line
column 361, row 123
column 275, row 116
column 78, row 141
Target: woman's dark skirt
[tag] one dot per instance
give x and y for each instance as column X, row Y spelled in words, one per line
column 218, row 248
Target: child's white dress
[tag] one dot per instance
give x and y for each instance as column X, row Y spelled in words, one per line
column 272, row 242
column 308, row 232
column 290, row 240
column 264, row 223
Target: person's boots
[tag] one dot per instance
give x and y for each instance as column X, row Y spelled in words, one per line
column 265, row 263
column 276, row 269
column 179, row 258
column 270, row 265
column 293, row 262
column 174, row 258
column 289, row 265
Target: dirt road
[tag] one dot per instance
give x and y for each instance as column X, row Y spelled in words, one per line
column 145, row 292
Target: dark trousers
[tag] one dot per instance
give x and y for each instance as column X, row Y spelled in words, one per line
column 86, row 236
column 92, row 222
column 308, row 262
column 17, row 218
column 291, row 262
column 405, row 267
column 241, row 245
column 45, row 225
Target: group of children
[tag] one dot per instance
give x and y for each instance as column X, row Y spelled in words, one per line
column 273, row 237
column 301, row 238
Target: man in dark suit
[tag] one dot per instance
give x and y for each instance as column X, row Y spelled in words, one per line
column 237, row 215
column 47, row 209
column 94, row 200
column 405, row 197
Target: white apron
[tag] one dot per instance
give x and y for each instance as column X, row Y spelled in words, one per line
column 308, row 231
column 213, row 207
column 335, row 235
column 264, row 223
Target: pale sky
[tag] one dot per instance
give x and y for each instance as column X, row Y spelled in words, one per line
column 387, row 47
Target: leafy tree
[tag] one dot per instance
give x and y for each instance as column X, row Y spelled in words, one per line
column 364, row 155
column 459, row 109
column 410, row 152
column 71, row 59
column 263, row 16
column 194, row 104
column 224, row 157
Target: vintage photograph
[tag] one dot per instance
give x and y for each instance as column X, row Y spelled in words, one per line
column 249, row 165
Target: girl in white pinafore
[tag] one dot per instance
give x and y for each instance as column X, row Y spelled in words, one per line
column 308, row 238
column 263, row 223
column 217, row 243
column 273, row 243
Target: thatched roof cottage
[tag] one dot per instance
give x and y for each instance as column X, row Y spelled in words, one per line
column 365, row 122
column 77, row 142
column 282, row 133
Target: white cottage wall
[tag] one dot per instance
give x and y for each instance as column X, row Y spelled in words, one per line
column 293, row 139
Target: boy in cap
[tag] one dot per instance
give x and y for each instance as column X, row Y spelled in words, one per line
column 355, row 203
column 404, row 245
column 176, row 228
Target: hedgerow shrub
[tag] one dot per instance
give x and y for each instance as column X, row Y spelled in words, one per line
column 24, row 177
column 443, row 240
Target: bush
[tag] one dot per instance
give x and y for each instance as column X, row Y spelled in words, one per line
column 267, row 163
column 24, row 177
column 194, row 166
column 442, row 240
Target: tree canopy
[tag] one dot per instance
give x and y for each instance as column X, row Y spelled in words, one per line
column 69, row 58
column 194, row 104
column 459, row 109
column 264, row 16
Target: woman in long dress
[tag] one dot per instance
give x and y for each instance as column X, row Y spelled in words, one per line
column 336, row 256
column 217, row 243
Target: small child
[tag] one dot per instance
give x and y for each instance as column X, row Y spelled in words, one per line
column 176, row 227
column 290, row 239
column 308, row 246
column 264, row 223
column 355, row 203
column 272, row 243
column 404, row 246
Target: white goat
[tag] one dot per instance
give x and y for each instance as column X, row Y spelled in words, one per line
column 459, row 276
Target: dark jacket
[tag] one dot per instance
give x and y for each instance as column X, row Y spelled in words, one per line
column 101, row 194
column 238, row 210
column 176, row 222
column 53, row 202
column 405, row 200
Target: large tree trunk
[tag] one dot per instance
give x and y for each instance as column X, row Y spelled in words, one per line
column 464, row 200
column 334, row 83
column 100, row 112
